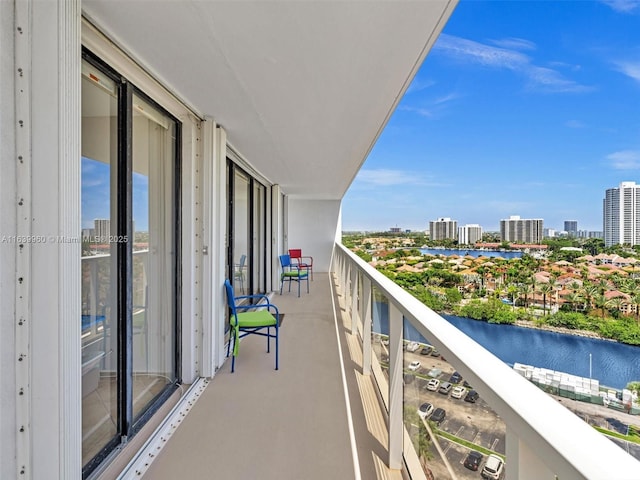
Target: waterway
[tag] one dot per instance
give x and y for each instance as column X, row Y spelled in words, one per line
column 507, row 254
column 613, row 364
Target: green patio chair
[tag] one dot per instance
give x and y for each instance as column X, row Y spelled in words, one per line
column 254, row 322
column 292, row 272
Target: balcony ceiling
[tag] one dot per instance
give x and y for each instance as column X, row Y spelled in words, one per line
column 303, row 88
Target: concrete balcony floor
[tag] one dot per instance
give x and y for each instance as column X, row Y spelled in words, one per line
column 290, row 423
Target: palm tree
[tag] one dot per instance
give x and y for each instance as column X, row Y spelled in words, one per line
column 545, row 288
column 589, row 290
column 512, row 291
column 574, row 298
column 526, row 288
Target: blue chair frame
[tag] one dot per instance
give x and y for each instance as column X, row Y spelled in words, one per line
column 252, row 322
column 292, row 272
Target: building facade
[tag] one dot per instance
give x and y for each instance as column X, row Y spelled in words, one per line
column 443, row 229
column 571, row 227
column 469, row 234
column 516, row 229
column 621, row 214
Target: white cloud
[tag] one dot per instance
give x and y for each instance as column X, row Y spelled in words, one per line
column 631, row 69
column 623, row 6
column 515, row 43
column 388, row 177
column 625, row 160
column 483, row 54
column 543, row 78
column 424, row 112
column 575, row 124
column 418, row 85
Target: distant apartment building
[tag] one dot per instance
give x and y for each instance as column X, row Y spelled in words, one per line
column 102, row 229
column 571, row 227
column 548, row 232
column 590, row 234
column 621, row 215
column 395, row 230
column 469, row 234
column 442, row 229
column 522, row 230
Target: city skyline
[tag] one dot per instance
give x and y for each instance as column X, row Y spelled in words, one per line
column 520, row 108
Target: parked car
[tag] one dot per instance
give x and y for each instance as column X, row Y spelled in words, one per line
column 455, row 377
column 414, row 366
column 473, row 460
column 445, row 388
column 425, row 410
column 435, row 353
column 458, row 392
column 493, row 467
column 471, row 396
column 413, row 346
column 426, row 350
column 438, row 415
column 433, row 384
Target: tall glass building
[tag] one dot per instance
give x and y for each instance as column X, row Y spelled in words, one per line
column 621, row 218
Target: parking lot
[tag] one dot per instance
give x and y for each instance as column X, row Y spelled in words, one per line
column 478, row 424
column 473, row 422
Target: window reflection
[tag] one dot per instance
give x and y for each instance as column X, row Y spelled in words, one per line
column 240, row 232
column 99, row 330
column 128, row 277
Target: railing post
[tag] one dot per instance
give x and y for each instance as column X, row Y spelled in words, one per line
column 345, row 283
column 365, row 315
column 395, row 387
column 354, row 299
column 523, row 463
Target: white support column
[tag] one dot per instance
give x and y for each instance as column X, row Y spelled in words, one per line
column 277, row 240
column 365, row 315
column 522, row 462
column 69, row 254
column 396, row 426
column 193, row 359
column 354, row 300
column 346, row 287
column 23, row 250
column 207, row 184
column 218, row 246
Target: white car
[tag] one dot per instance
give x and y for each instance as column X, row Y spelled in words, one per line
column 493, row 467
column 425, row 410
column 458, row 392
column 414, row 366
column 433, row 384
column 413, row 346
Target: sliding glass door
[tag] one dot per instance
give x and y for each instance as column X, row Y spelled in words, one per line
column 130, row 253
column 246, row 231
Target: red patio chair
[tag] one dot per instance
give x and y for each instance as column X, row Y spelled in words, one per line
column 303, row 262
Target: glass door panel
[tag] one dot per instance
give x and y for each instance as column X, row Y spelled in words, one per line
column 99, row 261
column 240, row 232
column 154, row 249
column 259, row 247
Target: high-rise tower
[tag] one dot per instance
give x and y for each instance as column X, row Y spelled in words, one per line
column 621, row 215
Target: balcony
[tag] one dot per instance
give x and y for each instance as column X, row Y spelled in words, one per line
column 301, row 421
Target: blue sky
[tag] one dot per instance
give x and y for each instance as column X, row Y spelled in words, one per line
column 521, row 108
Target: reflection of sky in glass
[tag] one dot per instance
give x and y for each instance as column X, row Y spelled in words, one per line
column 140, row 202
column 95, row 195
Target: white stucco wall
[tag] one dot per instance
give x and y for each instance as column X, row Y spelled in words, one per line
column 312, row 226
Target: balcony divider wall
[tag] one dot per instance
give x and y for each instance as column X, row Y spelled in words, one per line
column 537, row 446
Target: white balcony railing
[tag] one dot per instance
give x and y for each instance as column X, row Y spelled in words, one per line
column 544, row 440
